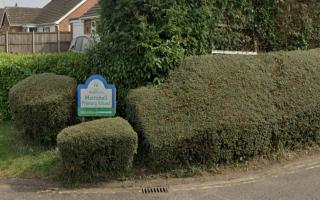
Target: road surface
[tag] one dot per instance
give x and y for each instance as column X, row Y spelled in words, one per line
column 297, row 180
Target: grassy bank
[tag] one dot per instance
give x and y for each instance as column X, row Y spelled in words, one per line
column 18, row 159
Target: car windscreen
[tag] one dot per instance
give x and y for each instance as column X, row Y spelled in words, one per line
column 78, row 45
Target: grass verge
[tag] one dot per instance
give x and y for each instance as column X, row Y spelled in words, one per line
column 18, row 159
column 21, row 160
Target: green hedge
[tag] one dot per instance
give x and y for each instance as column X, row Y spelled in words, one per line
column 141, row 41
column 98, row 148
column 16, row 67
column 198, row 26
column 42, row 105
column 220, row 109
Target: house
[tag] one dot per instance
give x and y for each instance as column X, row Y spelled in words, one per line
column 90, row 19
column 19, row 19
column 55, row 16
column 87, row 24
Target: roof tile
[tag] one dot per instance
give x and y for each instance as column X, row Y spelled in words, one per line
column 1, row 15
column 92, row 12
column 55, row 10
column 21, row 15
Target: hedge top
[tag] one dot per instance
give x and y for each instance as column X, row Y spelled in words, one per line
column 108, row 127
column 215, row 92
column 98, row 148
column 53, row 87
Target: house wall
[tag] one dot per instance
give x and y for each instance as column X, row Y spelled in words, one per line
column 15, row 29
column 5, row 24
column 64, row 25
column 77, row 28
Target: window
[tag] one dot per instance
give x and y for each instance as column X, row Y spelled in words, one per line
column 33, row 29
column 46, row 29
column 29, row 29
column 87, row 27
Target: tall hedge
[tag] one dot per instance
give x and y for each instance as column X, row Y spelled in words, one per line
column 219, row 108
column 142, row 40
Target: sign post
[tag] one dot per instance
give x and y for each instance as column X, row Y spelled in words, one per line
column 96, row 98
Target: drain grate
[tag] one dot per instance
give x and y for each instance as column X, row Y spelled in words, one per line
column 150, row 190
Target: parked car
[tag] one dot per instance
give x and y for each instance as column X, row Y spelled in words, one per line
column 82, row 43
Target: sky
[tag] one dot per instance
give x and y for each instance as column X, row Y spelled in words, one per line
column 24, row 3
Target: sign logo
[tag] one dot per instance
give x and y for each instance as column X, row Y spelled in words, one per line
column 96, row 98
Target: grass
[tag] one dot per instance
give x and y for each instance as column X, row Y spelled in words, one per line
column 21, row 160
column 18, row 159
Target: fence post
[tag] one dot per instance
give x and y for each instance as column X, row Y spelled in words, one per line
column 58, row 41
column 7, row 42
column 33, row 42
column 256, row 46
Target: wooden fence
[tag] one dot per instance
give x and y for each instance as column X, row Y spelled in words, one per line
column 34, row 42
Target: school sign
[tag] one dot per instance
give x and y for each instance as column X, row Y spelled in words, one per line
column 96, row 98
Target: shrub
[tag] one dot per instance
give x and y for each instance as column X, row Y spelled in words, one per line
column 141, row 41
column 100, row 147
column 42, row 105
column 220, row 109
column 16, row 67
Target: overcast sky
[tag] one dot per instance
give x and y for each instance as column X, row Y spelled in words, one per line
column 24, row 3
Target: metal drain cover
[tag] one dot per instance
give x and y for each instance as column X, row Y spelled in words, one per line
column 152, row 190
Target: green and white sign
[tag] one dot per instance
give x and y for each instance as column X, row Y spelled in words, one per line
column 96, row 98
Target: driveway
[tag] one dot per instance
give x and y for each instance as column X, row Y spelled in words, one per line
column 296, row 180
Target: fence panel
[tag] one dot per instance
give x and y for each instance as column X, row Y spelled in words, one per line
column 35, row 42
column 65, row 40
column 2, row 43
column 20, row 42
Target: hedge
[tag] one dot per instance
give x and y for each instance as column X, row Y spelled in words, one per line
column 141, row 41
column 16, row 67
column 197, row 27
column 98, row 148
column 221, row 109
column 42, row 105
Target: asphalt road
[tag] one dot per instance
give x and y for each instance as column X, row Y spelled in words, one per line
column 298, row 180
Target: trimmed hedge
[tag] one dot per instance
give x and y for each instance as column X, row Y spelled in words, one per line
column 141, row 41
column 100, row 147
column 220, row 109
column 42, row 105
column 16, row 67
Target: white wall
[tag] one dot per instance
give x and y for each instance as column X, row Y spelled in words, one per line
column 77, row 27
column 52, row 29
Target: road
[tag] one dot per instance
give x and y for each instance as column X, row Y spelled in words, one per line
column 296, row 180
